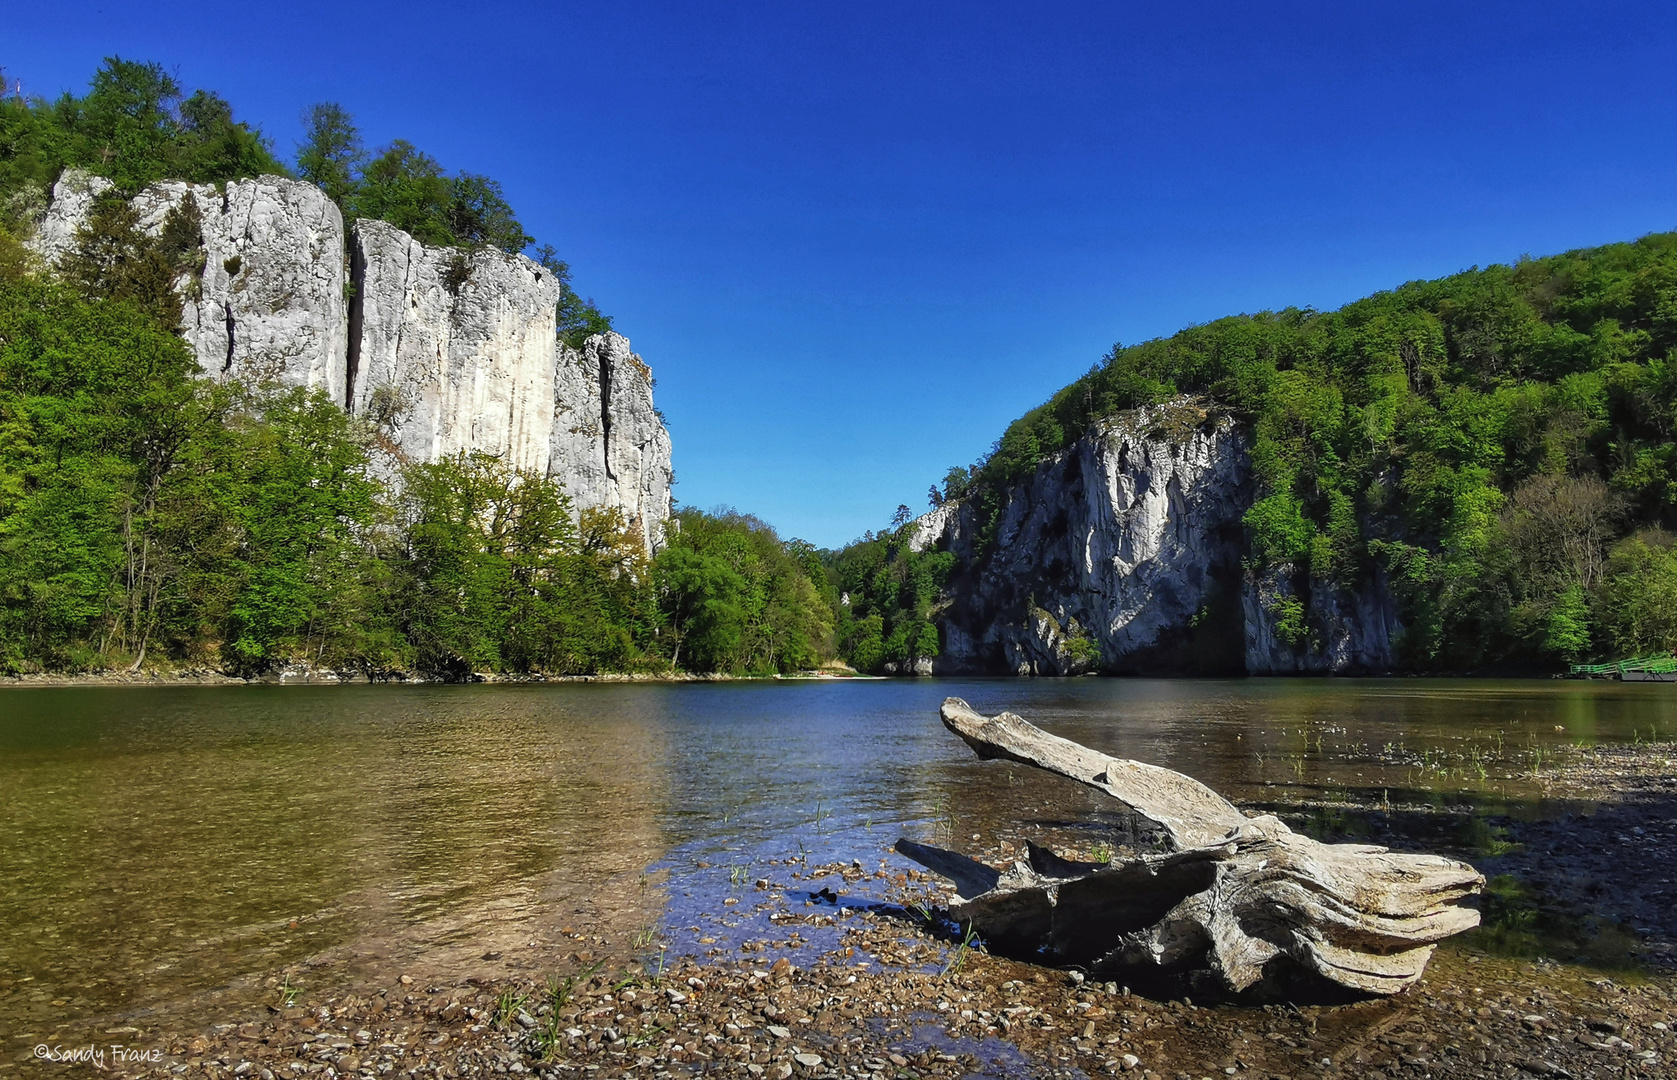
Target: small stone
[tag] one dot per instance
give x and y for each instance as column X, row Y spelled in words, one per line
column 779, row 1032
column 808, row 1061
column 1130, row 1061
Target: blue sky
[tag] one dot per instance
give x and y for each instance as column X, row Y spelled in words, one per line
column 855, row 240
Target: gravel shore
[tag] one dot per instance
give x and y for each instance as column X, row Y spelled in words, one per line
column 846, row 971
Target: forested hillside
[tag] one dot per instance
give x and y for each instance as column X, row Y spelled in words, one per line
column 1501, row 445
column 149, row 516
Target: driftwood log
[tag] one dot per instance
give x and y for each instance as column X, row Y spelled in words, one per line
column 1235, row 906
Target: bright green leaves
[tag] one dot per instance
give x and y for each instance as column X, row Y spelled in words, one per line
column 305, row 515
column 1386, row 438
column 738, row 599
column 135, row 127
column 1637, row 604
column 1277, row 531
column 892, row 592
column 494, row 576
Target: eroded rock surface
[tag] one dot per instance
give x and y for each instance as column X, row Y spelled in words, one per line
column 1124, row 553
column 1117, row 542
column 456, row 348
column 441, row 350
column 269, row 306
column 608, row 440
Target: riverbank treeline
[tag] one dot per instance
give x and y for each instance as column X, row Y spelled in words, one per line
column 1499, row 445
column 149, row 516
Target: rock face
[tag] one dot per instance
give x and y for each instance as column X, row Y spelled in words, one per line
column 269, row 306
column 1342, row 630
column 607, row 438
column 442, row 350
column 72, row 201
column 455, row 349
column 1123, row 554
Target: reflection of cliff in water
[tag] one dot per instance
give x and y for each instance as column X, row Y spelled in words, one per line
column 164, row 843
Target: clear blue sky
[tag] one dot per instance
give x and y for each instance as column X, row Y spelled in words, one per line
column 855, row 240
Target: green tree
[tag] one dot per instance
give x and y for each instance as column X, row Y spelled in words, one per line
column 1637, row 605
column 330, row 155
column 478, row 213
column 576, row 319
column 406, row 187
column 306, row 589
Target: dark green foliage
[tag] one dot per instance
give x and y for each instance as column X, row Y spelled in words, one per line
column 114, row 260
column 892, row 592
column 577, row 319
column 147, row 513
column 144, row 512
column 1481, row 439
column 94, row 399
column 737, row 599
column 134, row 127
column 407, row 188
column 478, row 213
column 331, row 155
column 404, row 186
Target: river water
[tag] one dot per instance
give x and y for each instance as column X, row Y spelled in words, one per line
column 164, row 852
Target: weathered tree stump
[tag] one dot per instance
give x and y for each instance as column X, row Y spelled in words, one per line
column 1238, row 905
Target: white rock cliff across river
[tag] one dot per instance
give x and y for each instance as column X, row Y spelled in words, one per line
column 443, row 349
column 1123, row 553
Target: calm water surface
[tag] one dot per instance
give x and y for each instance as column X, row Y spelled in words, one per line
column 161, row 847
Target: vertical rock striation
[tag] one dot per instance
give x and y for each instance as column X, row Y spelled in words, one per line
column 441, row 350
column 269, row 304
column 456, row 348
column 608, row 438
column 1124, row 553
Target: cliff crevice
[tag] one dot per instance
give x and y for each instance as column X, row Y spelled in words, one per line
column 1124, row 554
column 442, row 350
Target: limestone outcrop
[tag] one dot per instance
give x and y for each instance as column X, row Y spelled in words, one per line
column 1123, row 553
column 455, row 349
column 440, row 349
column 608, row 439
column 269, row 306
column 1104, row 555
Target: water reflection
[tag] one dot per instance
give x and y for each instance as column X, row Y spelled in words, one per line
column 159, row 844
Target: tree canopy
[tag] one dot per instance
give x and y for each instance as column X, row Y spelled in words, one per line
column 1500, row 444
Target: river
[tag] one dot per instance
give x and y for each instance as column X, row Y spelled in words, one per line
column 166, row 851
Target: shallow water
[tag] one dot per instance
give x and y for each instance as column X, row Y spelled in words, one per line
column 159, row 847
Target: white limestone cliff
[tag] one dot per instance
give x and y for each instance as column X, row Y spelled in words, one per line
column 269, row 306
column 455, row 349
column 1123, row 553
column 72, row 200
column 441, row 349
column 608, row 439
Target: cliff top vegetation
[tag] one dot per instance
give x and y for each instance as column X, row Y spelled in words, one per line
column 1499, row 445
column 136, row 126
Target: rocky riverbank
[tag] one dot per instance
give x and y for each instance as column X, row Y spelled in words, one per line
column 303, row 676
column 846, row 971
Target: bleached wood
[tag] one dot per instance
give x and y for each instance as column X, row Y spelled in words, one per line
column 1243, row 898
